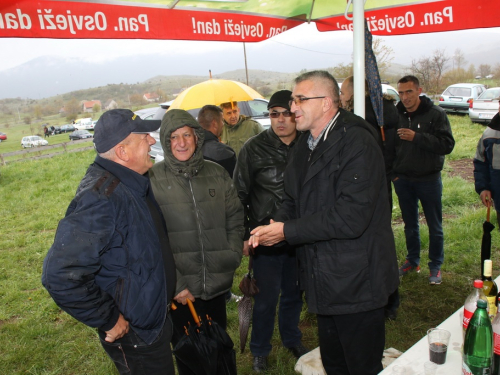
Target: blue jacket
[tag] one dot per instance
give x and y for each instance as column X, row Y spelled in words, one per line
column 487, row 161
column 106, row 258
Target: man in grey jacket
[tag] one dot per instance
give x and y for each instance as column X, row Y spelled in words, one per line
column 335, row 210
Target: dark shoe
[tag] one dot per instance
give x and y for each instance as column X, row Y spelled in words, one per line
column 259, row 364
column 435, row 277
column 408, row 267
column 298, row 351
column 390, row 314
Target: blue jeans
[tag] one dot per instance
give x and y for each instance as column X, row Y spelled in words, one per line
column 275, row 270
column 132, row 356
column 429, row 194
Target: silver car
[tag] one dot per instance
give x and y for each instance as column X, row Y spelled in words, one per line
column 485, row 107
column 458, row 97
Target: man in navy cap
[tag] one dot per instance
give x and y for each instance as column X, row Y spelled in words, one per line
column 258, row 178
column 111, row 266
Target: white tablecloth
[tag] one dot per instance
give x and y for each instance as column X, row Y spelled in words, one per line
column 414, row 358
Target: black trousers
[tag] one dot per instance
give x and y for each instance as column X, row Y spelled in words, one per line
column 132, row 356
column 352, row 344
column 215, row 308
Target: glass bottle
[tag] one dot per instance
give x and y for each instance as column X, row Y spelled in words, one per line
column 490, row 288
column 478, row 344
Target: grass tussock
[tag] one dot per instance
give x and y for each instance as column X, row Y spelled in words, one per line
column 38, row 338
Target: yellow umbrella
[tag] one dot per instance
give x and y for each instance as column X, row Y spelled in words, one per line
column 214, row 91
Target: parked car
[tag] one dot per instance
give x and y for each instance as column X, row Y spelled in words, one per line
column 389, row 90
column 146, row 113
column 57, row 130
column 3, row 137
column 67, row 128
column 80, row 134
column 84, row 124
column 457, row 98
column 485, row 107
column 33, row 141
column 256, row 109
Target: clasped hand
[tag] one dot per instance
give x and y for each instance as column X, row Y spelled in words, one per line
column 267, row 235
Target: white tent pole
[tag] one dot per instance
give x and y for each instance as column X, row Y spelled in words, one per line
column 359, row 57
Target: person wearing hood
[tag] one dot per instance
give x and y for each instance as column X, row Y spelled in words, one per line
column 204, row 217
column 423, row 139
column 487, row 167
column 237, row 128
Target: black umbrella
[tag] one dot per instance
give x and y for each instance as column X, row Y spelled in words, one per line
column 486, row 240
column 248, row 287
column 206, row 348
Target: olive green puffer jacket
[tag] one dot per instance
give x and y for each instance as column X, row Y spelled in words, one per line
column 203, row 214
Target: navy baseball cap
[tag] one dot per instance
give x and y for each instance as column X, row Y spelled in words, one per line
column 116, row 125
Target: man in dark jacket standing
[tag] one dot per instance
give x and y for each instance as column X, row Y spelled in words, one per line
column 111, row 266
column 210, row 119
column 424, row 137
column 259, row 181
column 335, row 208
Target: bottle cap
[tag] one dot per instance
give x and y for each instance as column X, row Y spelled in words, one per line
column 481, row 303
column 487, row 267
column 478, row 284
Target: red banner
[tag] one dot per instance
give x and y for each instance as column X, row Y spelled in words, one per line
column 83, row 20
column 445, row 15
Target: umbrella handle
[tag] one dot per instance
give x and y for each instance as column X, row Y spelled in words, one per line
column 193, row 312
column 488, row 214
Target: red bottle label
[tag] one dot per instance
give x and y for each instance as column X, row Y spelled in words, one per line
column 496, row 343
column 467, row 317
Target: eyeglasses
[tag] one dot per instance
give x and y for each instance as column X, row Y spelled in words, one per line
column 277, row 114
column 300, row 99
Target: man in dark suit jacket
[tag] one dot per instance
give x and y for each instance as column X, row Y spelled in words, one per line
column 210, row 119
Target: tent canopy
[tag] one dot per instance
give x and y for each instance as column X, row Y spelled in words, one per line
column 233, row 21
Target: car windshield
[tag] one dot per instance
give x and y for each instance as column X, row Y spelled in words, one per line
column 490, row 94
column 258, row 107
column 458, row 91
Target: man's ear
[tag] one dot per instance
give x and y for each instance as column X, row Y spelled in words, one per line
column 327, row 104
column 121, row 152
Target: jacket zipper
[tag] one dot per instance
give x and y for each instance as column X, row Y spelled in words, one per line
column 199, row 234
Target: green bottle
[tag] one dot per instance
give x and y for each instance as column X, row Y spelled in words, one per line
column 478, row 344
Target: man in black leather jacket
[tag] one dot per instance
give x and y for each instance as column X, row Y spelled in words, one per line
column 259, row 181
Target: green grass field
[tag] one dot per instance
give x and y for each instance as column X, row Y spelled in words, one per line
column 38, row 338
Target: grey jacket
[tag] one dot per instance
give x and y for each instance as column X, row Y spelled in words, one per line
column 203, row 214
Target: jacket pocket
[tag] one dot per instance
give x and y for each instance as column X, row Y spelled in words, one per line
column 119, row 293
column 343, row 275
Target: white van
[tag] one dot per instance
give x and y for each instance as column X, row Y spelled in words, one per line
column 84, row 124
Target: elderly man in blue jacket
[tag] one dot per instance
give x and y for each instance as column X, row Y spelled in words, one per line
column 111, row 266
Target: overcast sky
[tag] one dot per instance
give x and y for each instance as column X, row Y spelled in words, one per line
column 307, row 43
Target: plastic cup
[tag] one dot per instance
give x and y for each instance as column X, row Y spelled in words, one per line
column 398, row 370
column 438, row 344
column 430, row 368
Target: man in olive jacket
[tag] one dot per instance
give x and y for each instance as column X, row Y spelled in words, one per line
column 335, row 209
column 237, row 128
column 204, row 218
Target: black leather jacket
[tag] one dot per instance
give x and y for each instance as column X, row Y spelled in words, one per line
column 258, row 177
